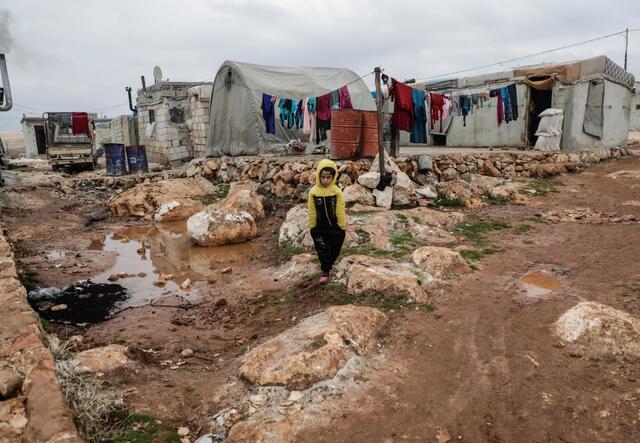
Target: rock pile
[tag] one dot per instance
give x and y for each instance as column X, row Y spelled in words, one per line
column 585, row 216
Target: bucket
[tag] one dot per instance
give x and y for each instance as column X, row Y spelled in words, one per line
column 370, row 143
column 346, row 129
column 114, row 159
column 425, row 163
column 137, row 159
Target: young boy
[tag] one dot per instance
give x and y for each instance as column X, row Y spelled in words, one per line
column 327, row 221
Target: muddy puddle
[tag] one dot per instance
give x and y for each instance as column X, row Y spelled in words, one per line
column 540, row 283
column 79, row 303
column 153, row 261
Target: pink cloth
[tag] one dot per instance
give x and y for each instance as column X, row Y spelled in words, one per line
column 446, row 107
column 345, row 98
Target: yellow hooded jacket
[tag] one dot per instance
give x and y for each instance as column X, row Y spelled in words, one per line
column 326, row 203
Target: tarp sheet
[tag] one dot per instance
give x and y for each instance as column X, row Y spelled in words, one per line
column 236, row 123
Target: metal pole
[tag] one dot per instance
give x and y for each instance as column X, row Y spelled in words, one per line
column 377, row 72
column 626, row 46
column 8, row 100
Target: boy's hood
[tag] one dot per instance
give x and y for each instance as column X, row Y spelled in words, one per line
column 326, row 163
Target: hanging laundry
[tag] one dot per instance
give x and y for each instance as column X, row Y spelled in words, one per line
column 435, row 110
column 513, row 100
column 403, row 113
column 335, row 99
column 323, row 107
column 80, row 123
column 446, row 107
column 313, row 121
column 465, row 107
column 282, row 112
column 345, row 98
column 323, row 127
column 504, row 93
column 295, row 120
column 500, row 108
column 306, row 119
column 419, row 131
column 268, row 113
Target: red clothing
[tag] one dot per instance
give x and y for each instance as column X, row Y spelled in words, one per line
column 403, row 113
column 500, row 109
column 323, row 107
column 435, row 108
column 80, row 123
column 345, row 98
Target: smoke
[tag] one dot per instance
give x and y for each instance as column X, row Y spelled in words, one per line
column 6, row 39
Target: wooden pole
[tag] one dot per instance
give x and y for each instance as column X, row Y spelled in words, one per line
column 626, row 47
column 379, row 97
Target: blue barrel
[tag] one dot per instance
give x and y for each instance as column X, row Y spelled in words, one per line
column 137, row 159
column 115, row 159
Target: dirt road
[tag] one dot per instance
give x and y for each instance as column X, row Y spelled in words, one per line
column 484, row 366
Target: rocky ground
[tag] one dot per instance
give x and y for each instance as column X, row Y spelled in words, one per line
column 445, row 323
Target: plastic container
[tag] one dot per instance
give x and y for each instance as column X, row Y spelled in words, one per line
column 115, row 159
column 137, row 159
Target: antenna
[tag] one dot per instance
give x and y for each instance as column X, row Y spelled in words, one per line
column 157, row 74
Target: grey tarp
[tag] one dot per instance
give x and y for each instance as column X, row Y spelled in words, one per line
column 236, row 123
column 594, row 111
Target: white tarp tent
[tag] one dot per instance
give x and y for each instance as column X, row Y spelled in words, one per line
column 236, row 123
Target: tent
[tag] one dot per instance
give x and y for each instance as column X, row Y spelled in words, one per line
column 236, row 123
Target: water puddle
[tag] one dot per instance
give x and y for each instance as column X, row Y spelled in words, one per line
column 540, row 283
column 80, row 303
column 153, row 261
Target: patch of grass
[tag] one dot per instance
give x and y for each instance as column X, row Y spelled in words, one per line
column 446, row 203
column 522, row 229
column 45, row 323
column 495, row 200
column 400, row 238
column 402, row 218
column 416, row 219
column 476, row 229
column 126, row 381
column 338, row 295
column 541, row 186
column 317, row 342
column 537, row 220
column 471, row 254
column 288, row 250
column 141, row 428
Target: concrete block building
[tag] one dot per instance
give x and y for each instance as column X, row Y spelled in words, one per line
column 34, row 137
column 634, row 120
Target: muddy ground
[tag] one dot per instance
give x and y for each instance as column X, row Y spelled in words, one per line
column 482, row 366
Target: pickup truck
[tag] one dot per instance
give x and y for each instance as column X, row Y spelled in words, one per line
column 67, row 146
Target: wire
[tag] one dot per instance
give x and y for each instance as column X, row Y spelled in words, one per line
column 524, row 56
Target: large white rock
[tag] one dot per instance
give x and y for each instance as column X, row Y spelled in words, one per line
column 358, row 194
column 215, row 227
column 295, row 229
column 439, row 262
column 600, row 329
column 369, row 179
column 299, row 267
column 243, row 196
column 315, row 349
column 404, row 192
column 384, row 199
column 363, row 274
column 102, row 359
column 389, row 165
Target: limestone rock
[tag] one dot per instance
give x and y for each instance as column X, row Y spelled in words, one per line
column 243, row 196
column 300, row 266
column 426, row 193
column 144, row 199
column 384, row 199
column 295, row 229
column 102, row 359
column 600, row 329
column 364, row 274
column 404, row 190
column 369, row 179
column 10, row 383
column 439, row 262
column 216, row 227
column 177, row 210
column 389, row 165
column 315, row 349
column 358, row 194
column 456, row 190
column 262, row 429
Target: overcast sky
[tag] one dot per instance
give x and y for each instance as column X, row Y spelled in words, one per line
column 80, row 55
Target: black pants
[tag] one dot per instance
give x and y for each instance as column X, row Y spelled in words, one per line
column 328, row 243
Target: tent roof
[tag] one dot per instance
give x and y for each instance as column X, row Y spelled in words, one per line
column 301, row 82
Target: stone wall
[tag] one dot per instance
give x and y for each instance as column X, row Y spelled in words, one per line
column 32, row 407
column 199, row 111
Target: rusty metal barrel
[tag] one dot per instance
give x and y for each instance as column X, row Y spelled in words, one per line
column 370, row 144
column 346, row 133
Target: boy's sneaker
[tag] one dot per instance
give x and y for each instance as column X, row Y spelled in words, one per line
column 324, row 279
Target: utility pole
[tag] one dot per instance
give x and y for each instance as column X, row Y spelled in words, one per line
column 626, row 46
column 377, row 72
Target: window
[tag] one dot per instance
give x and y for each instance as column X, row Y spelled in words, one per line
column 637, row 106
column 152, row 115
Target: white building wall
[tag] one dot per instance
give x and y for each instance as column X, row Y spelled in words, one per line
column 31, row 147
column 573, row 99
column 634, row 119
column 482, row 129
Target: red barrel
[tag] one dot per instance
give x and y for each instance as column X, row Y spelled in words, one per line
column 370, row 143
column 346, row 133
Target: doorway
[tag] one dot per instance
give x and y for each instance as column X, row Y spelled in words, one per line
column 41, row 143
column 539, row 100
